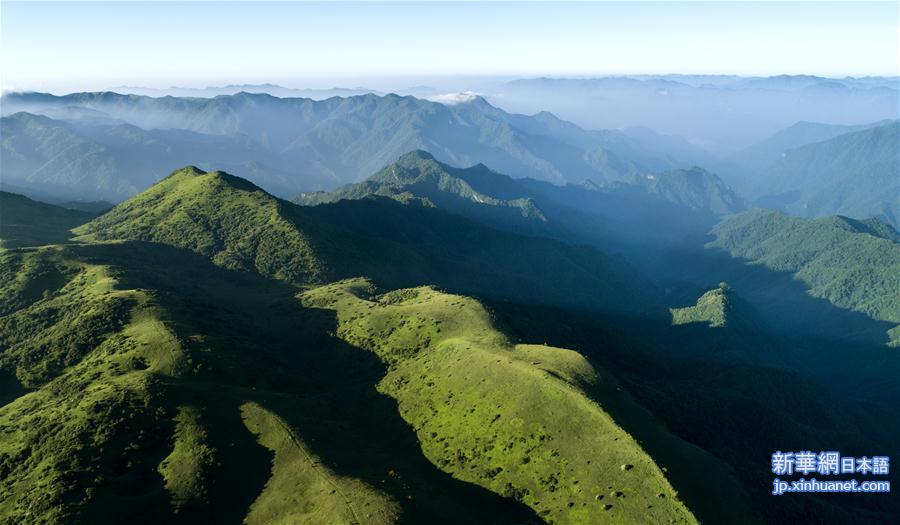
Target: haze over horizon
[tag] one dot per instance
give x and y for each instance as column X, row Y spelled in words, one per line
column 437, row 88
column 77, row 46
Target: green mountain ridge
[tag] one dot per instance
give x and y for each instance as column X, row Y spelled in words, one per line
column 240, row 226
column 164, row 376
column 763, row 154
column 223, row 217
column 853, row 264
column 178, row 360
column 475, row 192
column 694, row 188
column 853, row 174
column 669, row 203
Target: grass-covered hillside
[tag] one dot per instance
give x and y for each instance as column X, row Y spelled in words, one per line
column 240, row 226
column 162, row 381
column 723, row 389
column 208, row 352
column 148, row 382
column 226, row 218
column 511, row 418
column 852, row 264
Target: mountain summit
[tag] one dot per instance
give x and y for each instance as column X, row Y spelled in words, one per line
column 476, row 192
column 239, row 226
column 223, row 217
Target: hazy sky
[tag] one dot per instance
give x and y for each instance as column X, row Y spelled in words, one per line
column 74, row 45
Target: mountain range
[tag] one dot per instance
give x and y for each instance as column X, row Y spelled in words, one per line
column 239, row 226
column 665, row 206
column 763, row 154
column 367, row 352
column 232, row 89
column 194, row 353
column 115, row 145
column 852, row 264
column 723, row 114
column 851, row 171
column 105, row 146
column 207, row 351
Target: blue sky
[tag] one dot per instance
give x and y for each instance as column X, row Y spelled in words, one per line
column 74, row 45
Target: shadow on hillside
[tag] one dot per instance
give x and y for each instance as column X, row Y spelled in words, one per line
column 781, row 300
column 709, row 487
column 249, row 339
column 359, row 433
column 10, row 387
column 728, row 393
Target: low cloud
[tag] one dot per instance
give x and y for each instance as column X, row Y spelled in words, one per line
column 451, row 99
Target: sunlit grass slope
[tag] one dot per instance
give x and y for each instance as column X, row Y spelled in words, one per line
column 146, row 382
column 188, row 370
column 90, row 392
column 239, row 226
column 226, row 218
column 143, row 380
column 511, row 418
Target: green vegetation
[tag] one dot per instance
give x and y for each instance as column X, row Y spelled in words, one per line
column 186, row 470
column 512, row 418
column 852, row 264
column 179, row 378
column 755, row 159
column 205, row 352
column 642, row 209
column 711, row 308
column 475, row 192
column 24, row 222
column 695, row 189
column 241, row 227
column 722, row 389
column 302, row 489
column 139, row 411
column 175, row 409
column 228, row 219
column 71, row 347
column 854, row 174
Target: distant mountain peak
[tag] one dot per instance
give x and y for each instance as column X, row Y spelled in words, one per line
column 418, row 177
column 695, row 188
